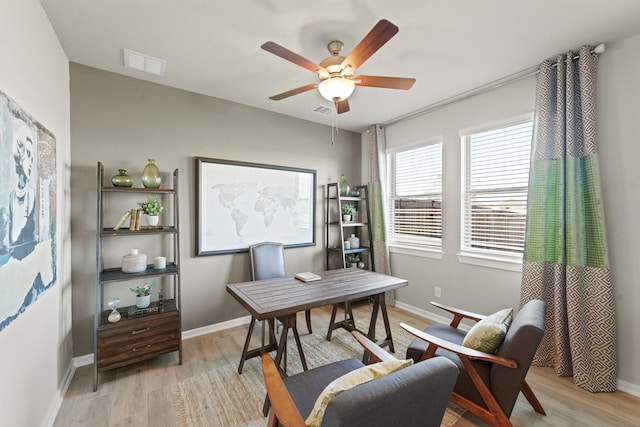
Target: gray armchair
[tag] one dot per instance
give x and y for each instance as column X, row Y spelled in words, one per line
column 414, row 396
column 488, row 384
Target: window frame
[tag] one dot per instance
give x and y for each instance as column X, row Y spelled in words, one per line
column 418, row 246
column 485, row 257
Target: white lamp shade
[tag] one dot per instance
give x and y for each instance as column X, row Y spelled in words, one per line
column 336, row 88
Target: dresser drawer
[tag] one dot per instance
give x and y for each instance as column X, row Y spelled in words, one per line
column 138, row 339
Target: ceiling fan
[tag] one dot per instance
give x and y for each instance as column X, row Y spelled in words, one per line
column 337, row 73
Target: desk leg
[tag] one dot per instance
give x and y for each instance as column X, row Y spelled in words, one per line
column 332, row 321
column 282, row 346
column 380, row 305
column 387, row 326
column 371, row 334
column 348, row 323
column 289, row 323
column 299, row 344
column 248, row 354
column 246, row 345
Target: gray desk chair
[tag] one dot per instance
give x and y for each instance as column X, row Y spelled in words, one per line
column 267, row 262
column 413, row 396
column 489, row 383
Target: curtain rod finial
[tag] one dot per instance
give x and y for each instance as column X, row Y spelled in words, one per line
column 600, row 48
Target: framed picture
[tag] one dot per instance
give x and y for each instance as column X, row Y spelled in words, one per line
column 240, row 204
column 27, row 210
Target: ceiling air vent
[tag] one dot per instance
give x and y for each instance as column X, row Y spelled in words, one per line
column 141, row 62
column 322, row 109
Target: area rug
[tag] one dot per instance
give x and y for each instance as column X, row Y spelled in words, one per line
column 221, row 397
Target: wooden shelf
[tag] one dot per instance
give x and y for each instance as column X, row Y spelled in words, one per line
column 116, row 274
column 107, row 189
column 140, row 337
column 150, row 230
column 336, row 228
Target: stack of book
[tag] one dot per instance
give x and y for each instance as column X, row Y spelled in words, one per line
column 134, row 311
column 134, row 220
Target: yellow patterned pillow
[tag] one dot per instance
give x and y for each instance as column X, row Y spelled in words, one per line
column 350, row 380
column 488, row 334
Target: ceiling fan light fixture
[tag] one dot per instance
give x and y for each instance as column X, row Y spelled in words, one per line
column 336, row 88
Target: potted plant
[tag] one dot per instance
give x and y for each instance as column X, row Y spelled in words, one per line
column 143, row 295
column 347, row 210
column 152, row 208
column 353, row 260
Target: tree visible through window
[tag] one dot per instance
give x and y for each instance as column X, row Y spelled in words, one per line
column 415, row 202
column 495, row 180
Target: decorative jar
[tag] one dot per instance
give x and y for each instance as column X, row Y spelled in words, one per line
column 122, row 179
column 134, row 262
column 159, row 262
column 344, row 186
column 151, row 175
column 354, row 241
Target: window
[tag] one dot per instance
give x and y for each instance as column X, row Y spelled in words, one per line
column 415, row 196
column 495, row 167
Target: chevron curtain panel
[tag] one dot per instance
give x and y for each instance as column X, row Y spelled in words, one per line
column 565, row 260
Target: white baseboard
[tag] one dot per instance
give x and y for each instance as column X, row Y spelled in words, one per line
column 240, row 321
column 633, row 389
column 427, row 314
column 55, row 406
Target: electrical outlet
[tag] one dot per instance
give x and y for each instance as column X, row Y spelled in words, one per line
column 438, row 292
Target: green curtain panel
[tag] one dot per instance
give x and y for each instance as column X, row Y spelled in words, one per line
column 565, row 260
column 377, row 168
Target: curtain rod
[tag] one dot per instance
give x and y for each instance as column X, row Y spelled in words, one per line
column 531, row 71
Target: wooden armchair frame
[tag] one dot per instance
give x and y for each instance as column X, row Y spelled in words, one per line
column 283, row 409
column 493, row 413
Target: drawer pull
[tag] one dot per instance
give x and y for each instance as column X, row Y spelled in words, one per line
column 142, row 348
column 140, row 331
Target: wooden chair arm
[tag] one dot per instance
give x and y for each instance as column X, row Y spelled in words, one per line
column 458, row 314
column 461, row 351
column 281, row 401
column 376, row 353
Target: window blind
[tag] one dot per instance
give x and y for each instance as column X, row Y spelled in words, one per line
column 415, row 177
column 495, row 181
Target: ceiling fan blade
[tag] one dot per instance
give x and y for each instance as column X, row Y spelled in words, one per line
column 403, row 83
column 342, row 106
column 377, row 37
column 292, row 92
column 285, row 53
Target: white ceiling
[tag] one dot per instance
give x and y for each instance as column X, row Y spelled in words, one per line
column 212, row 47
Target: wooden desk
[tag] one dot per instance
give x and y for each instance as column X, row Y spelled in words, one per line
column 283, row 297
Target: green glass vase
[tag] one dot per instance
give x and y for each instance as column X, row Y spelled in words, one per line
column 344, row 186
column 122, row 179
column 151, row 175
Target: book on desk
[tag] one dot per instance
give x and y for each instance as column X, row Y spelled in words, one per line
column 307, row 277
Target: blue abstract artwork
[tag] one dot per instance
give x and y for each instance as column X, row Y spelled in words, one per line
column 27, row 210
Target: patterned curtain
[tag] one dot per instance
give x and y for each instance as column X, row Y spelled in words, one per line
column 377, row 168
column 566, row 261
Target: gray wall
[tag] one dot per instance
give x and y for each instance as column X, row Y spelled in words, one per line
column 121, row 122
column 484, row 289
column 36, row 348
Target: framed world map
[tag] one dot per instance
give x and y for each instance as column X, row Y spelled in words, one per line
column 240, row 204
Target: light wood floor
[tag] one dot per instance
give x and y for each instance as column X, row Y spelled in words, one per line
column 136, row 395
